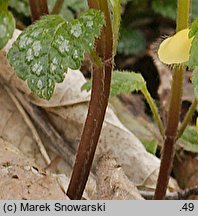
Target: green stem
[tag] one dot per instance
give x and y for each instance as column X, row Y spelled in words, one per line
column 116, row 5
column 183, row 14
column 57, row 7
column 174, row 110
column 4, row 5
column 97, row 107
column 187, row 118
column 154, row 110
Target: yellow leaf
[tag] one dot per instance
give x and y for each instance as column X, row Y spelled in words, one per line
column 175, row 49
column 197, row 125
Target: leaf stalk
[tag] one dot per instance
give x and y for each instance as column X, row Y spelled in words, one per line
column 97, row 107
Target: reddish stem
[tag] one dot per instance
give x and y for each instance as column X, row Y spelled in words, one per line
column 170, row 134
column 97, row 107
column 34, row 10
column 38, row 8
column 43, row 7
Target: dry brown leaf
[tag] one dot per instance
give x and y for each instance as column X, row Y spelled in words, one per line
column 13, row 129
column 20, row 179
column 112, row 183
column 186, row 169
column 140, row 166
column 114, row 137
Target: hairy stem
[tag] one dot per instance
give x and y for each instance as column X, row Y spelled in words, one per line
column 187, row 118
column 170, row 134
column 154, row 110
column 168, row 151
column 97, row 107
column 57, row 7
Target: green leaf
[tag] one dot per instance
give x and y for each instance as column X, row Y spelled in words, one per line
column 195, row 81
column 7, row 24
column 193, row 28
column 126, row 82
column 189, row 140
column 20, row 6
column 44, row 51
column 193, row 60
column 3, row 4
column 131, row 42
column 150, row 145
column 69, row 8
column 122, row 82
column 194, row 9
column 166, row 8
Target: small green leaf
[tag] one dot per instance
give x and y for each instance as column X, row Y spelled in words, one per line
column 126, row 82
column 150, row 145
column 44, row 51
column 122, row 82
column 87, row 86
column 20, row 6
column 7, row 24
column 193, row 28
column 69, row 8
column 194, row 9
column 195, row 81
column 189, row 140
column 166, row 8
column 193, row 60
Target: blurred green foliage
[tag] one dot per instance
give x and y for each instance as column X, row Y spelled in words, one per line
column 166, row 8
column 135, row 15
column 195, row 9
column 68, row 11
column 131, row 42
column 150, row 145
column 189, row 140
column 20, row 6
column 70, row 8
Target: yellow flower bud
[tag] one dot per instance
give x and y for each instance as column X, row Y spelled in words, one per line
column 175, row 49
